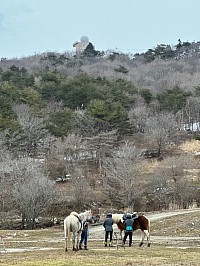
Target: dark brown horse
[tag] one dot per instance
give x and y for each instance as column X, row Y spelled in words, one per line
column 141, row 222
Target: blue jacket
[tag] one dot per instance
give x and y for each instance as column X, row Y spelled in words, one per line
column 129, row 225
column 108, row 224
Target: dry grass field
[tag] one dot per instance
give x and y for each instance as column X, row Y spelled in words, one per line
column 175, row 241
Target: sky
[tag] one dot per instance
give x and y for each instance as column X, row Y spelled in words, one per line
column 29, row 27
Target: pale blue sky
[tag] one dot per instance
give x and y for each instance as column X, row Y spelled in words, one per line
column 37, row 26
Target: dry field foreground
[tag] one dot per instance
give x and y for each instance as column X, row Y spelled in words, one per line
column 175, row 238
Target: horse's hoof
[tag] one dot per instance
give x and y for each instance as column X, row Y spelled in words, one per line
column 140, row 244
column 66, row 250
column 149, row 244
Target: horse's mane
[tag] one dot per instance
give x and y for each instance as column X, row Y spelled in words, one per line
column 84, row 215
column 85, row 212
column 81, row 216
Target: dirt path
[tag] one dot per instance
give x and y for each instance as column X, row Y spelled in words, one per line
column 161, row 215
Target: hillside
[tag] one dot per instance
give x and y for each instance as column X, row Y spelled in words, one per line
column 161, row 68
column 99, row 131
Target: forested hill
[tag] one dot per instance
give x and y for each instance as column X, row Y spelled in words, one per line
column 109, row 86
column 99, row 118
column 157, row 69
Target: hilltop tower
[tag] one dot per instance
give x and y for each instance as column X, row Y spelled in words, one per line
column 82, row 45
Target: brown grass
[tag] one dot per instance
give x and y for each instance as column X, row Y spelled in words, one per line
column 156, row 255
column 190, row 146
column 187, row 224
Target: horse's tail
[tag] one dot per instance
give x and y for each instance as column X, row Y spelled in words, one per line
column 148, row 226
column 65, row 234
column 68, row 235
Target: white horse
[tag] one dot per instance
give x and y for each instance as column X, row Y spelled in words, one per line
column 73, row 223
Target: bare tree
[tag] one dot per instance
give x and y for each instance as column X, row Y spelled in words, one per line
column 64, row 155
column 84, row 125
column 138, row 117
column 171, row 184
column 191, row 114
column 6, row 201
column 33, row 128
column 27, row 185
column 101, row 146
column 162, row 128
column 82, row 194
column 33, row 195
column 122, row 180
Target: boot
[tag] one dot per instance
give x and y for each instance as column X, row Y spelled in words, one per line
column 105, row 244
column 80, row 247
column 85, row 248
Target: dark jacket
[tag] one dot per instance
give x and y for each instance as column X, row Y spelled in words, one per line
column 108, row 224
column 129, row 225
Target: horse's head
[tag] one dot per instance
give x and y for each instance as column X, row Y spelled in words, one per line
column 86, row 216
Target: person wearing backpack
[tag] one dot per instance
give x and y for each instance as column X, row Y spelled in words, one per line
column 128, row 229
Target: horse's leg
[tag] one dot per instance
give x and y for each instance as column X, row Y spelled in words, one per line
column 65, row 244
column 65, row 233
column 73, row 241
column 121, row 234
column 122, row 237
column 77, row 240
column 146, row 232
column 142, row 240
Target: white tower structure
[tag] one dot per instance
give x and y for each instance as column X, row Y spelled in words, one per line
column 82, row 45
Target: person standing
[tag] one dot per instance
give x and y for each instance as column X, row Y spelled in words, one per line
column 108, row 225
column 84, row 235
column 128, row 229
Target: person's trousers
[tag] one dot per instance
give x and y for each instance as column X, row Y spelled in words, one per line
column 107, row 234
column 84, row 238
column 130, row 234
